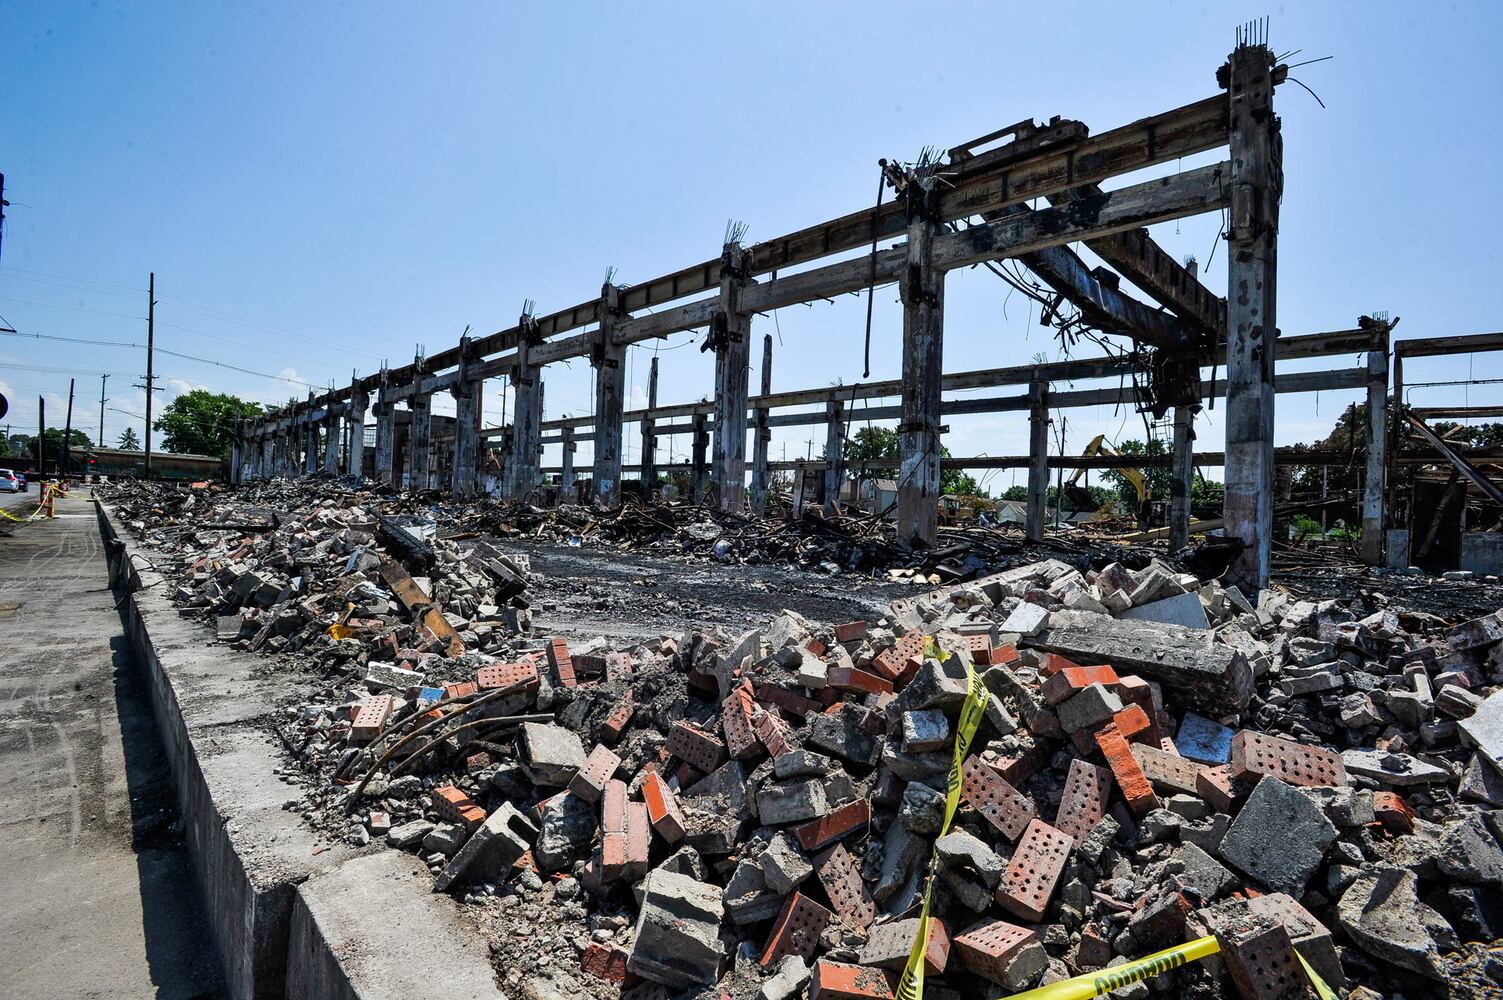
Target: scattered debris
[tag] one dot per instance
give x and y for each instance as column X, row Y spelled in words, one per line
column 757, row 811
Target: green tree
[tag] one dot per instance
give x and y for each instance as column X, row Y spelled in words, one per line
column 1156, row 479
column 203, row 422
column 880, row 444
column 127, row 440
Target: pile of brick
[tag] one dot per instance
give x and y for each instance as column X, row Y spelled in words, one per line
column 1159, row 758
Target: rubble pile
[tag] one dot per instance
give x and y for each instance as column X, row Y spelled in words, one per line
column 1158, row 758
column 827, row 543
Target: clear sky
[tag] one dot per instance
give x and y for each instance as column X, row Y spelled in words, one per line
column 321, row 186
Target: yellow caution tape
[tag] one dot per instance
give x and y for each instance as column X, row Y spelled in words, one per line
column 1103, row 981
column 1322, row 991
column 338, row 631
column 47, row 492
column 911, row 986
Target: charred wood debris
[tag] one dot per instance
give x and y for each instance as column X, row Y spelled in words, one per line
column 753, row 815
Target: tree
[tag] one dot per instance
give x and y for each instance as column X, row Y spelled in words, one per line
column 879, row 444
column 1156, row 480
column 127, row 440
column 203, row 422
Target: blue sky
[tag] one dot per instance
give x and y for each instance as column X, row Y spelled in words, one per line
column 321, row 186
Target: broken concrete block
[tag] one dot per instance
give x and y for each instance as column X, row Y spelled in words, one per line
column 1399, row 769
column 787, row 982
column 1279, row 838
column 498, row 842
column 567, row 829
column 922, row 808
column 784, row 865
column 1206, row 675
column 549, row 754
column 1181, row 609
column 1003, row 953
column 1469, row 853
column 1382, row 913
column 963, row 854
column 389, row 675
column 677, row 937
column 1094, row 704
column 925, row 729
column 1484, row 730
column 791, row 802
column 1026, row 619
column 408, row 833
column 748, row 897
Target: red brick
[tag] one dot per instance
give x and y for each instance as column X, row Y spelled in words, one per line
column 981, row 648
column 772, row 732
column 1052, row 663
column 988, row 947
column 1130, row 778
column 606, row 962
column 1005, row 654
column 455, row 806
column 589, row 664
column 1393, row 812
column 1257, row 754
column 837, row 872
column 1071, row 680
column 816, row 647
column 1083, row 803
column 850, row 632
column 885, row 664
column 616, row 722
column 736, row 723
column 461, row 689
column 1215, row 785
column 599, row 767
column 617, row 667
column 519, row 676
column 1132, row 723
column 796, row 931
column 638, row 839
column 790, row 701
column 841, row 981
column 988, row 792
column 370, row 719
column 613, row 806
column 1168, row 771
column 1093, row 951
column 1034, row 871
column 695, row 747
column 1261, row 961
column 852, row 679
column 1016, row 768
column 832, row 826
column 662, row 808
column 477, row 762
column 560, row 662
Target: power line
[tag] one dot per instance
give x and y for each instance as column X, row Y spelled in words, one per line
column 161, row 350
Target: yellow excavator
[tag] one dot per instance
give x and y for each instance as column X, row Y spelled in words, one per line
column 1080, row 499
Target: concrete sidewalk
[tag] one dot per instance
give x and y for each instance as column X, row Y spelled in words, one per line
column 97, row 897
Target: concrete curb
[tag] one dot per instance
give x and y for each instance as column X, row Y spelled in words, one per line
column 288, row 921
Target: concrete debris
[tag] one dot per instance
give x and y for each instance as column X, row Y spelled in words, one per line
column 755, row 809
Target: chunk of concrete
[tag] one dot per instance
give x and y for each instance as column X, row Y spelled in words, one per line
column 677, row 940
column 1279, row 838
column 1207, row 676
column 1382, row 913
column 494, row 846
column 1026, row 619
column 1484, row 730
column 549, row 754
column 784, row 865
column 1181, row 609
column 1092, row 705
column 1389, row 768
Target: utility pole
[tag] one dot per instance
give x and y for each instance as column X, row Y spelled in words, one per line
column 99, row 443
column 150, row 386
column 41, row 436
column 3, row 203
column 67, row 433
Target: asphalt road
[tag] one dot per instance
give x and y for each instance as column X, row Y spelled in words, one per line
column 97, row 898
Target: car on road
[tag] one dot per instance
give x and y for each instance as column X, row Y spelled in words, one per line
column 12, row 482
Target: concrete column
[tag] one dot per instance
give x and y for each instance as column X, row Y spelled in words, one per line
column 649, row 461
column 354, row 459
column 610, row 378
column 310, row 439
column 730, row 332
column 527, row 413
column 266, row 468
column 386, row 439
column 701, row 468
column 922, row 288
column 331, row 439
column 834, row 453
column 237, row 456
column 419, row 434
column 1374, row 486
column 1256, row 184
column 1182, row 474
column 1038, row 458
column 763, row 436
column 466, row 392
column 568, row 478
column 278, row 454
